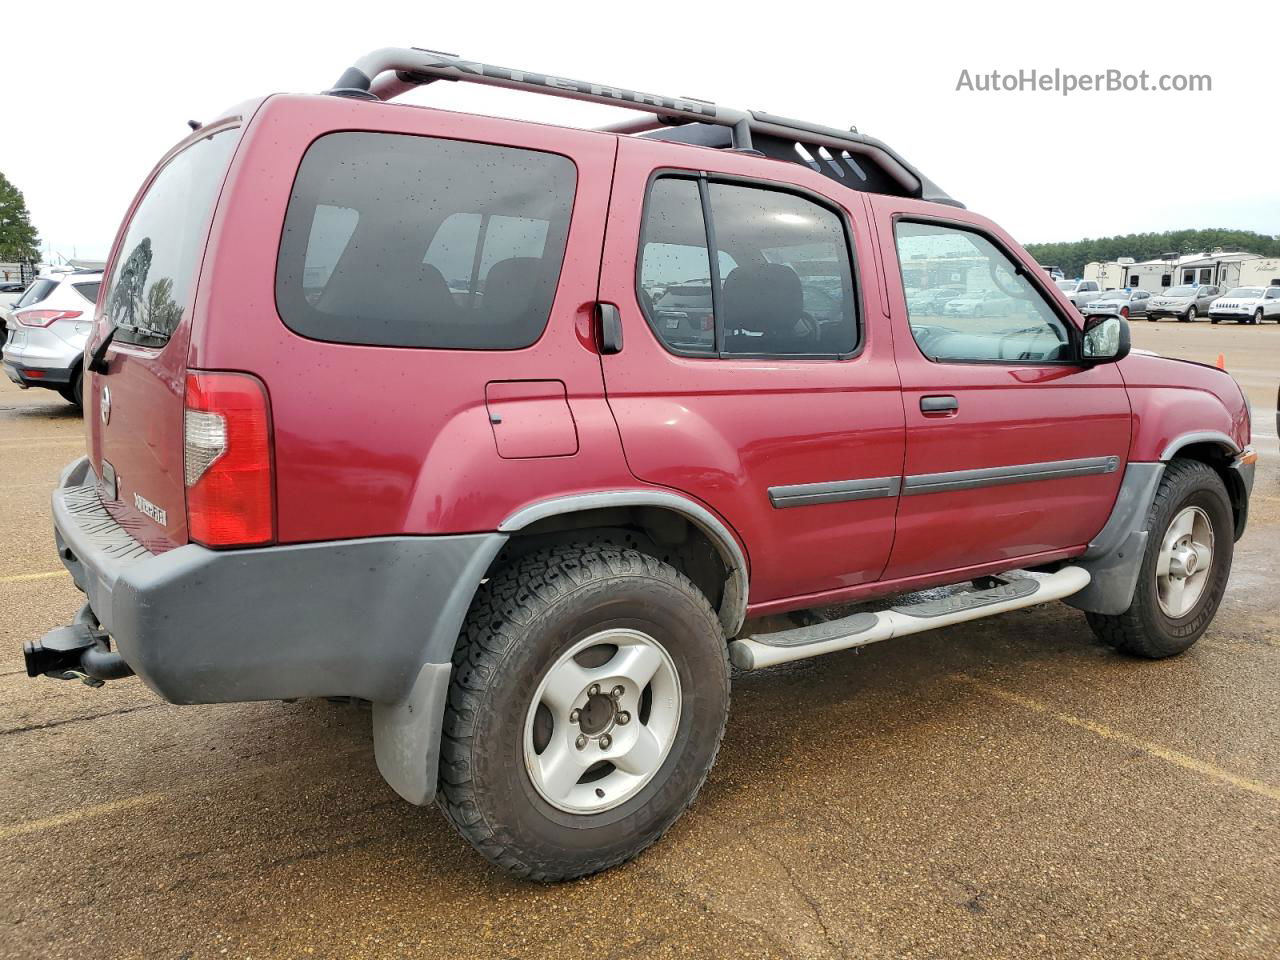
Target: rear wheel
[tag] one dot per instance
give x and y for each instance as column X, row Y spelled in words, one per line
column 589, row 696
column 73, row 392
column 1184, row 571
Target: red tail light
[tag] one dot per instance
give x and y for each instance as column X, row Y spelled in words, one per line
column 227, row 460
column 42, row 318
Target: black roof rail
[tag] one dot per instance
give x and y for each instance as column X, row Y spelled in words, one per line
column 858, row 161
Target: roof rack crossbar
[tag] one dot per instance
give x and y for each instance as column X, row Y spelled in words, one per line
column 390, row 71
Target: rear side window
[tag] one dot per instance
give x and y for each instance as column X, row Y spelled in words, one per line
column 36, row 292
column 405, row 241
column 781, row 284
column 88, row 290
column 155, row 271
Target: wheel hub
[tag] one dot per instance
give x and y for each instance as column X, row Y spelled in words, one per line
column 598, row 715
column 595, row 735
column 1185, row 562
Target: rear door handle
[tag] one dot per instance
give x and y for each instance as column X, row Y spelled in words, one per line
column 608, row 328
column 939, row 404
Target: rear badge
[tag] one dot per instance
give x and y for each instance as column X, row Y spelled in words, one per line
column 150, row 509
column 104, row 408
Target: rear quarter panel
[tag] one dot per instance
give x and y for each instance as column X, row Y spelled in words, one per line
column 385, row 440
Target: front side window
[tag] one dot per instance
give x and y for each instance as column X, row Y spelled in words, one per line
column 782, row 280
column 407, row 241
column 990, row 312
column 155, row 271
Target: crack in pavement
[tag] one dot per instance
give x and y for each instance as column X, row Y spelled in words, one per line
column 48, row 724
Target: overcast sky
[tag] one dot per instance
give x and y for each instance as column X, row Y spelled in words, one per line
column 109, row 86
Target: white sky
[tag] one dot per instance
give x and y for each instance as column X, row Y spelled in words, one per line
column 111, row 86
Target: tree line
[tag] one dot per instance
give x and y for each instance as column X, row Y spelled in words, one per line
column 1072, row 256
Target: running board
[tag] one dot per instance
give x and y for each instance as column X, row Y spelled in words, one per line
column 1013, row 593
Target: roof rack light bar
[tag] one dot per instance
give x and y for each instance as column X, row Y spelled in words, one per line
column 390, row 71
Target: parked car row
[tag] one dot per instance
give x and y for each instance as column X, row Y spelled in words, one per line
column 1187, row 302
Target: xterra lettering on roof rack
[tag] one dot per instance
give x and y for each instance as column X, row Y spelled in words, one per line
column 846, row 156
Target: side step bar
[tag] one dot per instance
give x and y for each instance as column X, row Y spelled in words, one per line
column 1012, row 593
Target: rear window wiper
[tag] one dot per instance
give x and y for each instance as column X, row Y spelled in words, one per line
column 98, row 359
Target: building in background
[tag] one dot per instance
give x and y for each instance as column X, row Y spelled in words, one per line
column 1220, row 268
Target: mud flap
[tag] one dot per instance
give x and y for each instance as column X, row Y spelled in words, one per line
column 406, row 735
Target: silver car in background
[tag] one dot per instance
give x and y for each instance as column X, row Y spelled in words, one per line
column 1079, row 292
column 1122, row 303
column 1186, row 302
column 49, row 326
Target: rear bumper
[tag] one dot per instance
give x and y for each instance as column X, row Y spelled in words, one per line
column 359, row 618
column 25, row 376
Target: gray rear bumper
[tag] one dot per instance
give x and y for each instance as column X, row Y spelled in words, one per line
column 351, row 618
column 373, row 618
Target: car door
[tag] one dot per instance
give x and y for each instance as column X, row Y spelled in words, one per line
column 1014, row 449
column 760, row 381
column 1271, row 303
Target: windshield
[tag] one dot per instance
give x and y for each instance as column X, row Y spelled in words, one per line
column 1245, row 292
column 1066, row 286
column 1180, row 292
column 1117, row 295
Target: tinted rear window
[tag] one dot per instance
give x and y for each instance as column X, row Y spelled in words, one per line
column 411, row 241
column 88, row 290
column 36, row 292
column 155, row 270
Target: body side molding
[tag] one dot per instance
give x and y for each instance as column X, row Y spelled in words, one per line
column 999, row 476
column 835, row 491
column 733, row 608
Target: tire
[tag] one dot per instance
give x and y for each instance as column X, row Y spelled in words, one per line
column 73, row 392
column 1257, row 316
column 520, row 635
column 1149, row 628
column 1191, row 315
column 1214, row 321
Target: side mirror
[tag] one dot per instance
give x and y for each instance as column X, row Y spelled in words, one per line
column 1106, row 339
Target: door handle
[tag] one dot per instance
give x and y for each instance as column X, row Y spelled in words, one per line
column 609, row 328
column 939, row 404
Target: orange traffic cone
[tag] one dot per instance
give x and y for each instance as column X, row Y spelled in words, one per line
column 1222, row 362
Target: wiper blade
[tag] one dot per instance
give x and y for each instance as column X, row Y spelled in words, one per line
column 98, row 359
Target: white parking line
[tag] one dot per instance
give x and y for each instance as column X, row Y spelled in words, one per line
column 1208, row 770
column 25, row 577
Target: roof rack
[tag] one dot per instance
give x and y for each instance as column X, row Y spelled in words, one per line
column 857, row 161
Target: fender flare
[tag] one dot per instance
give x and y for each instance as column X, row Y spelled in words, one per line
column 733, row 606
column 1114, row 556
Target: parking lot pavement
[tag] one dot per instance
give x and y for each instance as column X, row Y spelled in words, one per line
column 1007, row 788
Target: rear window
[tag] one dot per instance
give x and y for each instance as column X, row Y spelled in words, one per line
column 36, row 292
column 88, row 290
column 155, row 271
column 406, row 241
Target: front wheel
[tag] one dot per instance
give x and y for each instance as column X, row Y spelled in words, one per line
column 1191, row 315
column 588, row 700
column 1257, row 316
column 1184, row 570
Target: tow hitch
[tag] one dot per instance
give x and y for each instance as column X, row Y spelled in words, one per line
column 81, row 651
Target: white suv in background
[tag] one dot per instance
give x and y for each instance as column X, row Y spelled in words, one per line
column 1247, row 305
column 48, row 328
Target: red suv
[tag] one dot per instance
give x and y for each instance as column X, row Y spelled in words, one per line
column 509, row 429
